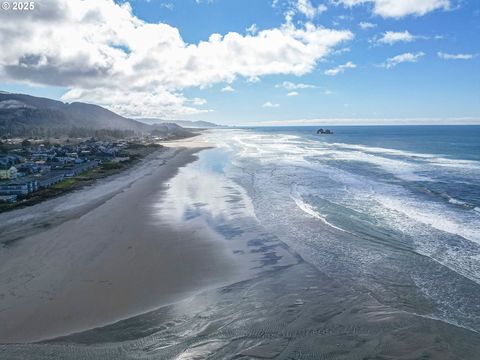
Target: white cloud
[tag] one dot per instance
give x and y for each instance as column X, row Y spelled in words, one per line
column 366, row 25
column 406, row 57
column 198, row 101
column 306, row 8
column 252, row 29
column 340, row 69
column 253, row 79
column 161, row 103
column 400, row 8
column 294, row 86
column 292, row 93
column 446, row 56
column 392, row 37
column 227, row 88
column 168, row 6
column 269, row 104
column 102, row 52
column 321, row 8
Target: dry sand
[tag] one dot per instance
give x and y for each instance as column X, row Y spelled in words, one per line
column 100, row 255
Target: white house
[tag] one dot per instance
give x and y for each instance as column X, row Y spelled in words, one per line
column 7, row 173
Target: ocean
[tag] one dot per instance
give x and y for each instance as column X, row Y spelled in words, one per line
column 394, row 210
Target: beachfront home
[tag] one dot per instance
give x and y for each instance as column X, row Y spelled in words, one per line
column 80, row 168
column 8, row 199
column 8, row 172
column 21, row 188
column 13, row 189
column 51, row 179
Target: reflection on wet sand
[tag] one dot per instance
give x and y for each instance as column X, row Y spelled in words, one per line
column 203, row 199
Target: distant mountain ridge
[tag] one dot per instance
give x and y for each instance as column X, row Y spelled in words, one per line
column 183, row 123
column 22, row 114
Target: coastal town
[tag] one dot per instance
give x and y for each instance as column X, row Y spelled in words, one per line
column 33, row 167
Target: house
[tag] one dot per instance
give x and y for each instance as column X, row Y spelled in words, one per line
column 29, row 168
column 8, row 199
column 21, row 188
column 51, row 179
column 14, row 189
column 80, row 168
column 9, row 159
column 69, row 172
column 8, row 172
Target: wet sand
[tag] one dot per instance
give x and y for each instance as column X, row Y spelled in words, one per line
column 105, row 257
column 291, row 313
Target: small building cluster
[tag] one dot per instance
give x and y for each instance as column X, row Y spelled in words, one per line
column 37, row 165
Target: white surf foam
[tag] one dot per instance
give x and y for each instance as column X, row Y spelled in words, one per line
column 309, row 209
column 435, row 215
column 433, row 159
column 274, row 148
column 457, row 202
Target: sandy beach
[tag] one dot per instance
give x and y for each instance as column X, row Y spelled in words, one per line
column 94, row 257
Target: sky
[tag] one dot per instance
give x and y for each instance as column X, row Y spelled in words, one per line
column 251, row 62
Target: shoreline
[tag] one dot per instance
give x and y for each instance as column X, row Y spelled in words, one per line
column 102, row 261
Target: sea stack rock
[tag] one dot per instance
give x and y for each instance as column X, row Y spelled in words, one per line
column 326, row 131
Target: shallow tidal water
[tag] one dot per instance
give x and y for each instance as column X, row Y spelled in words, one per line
column 362, row 245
